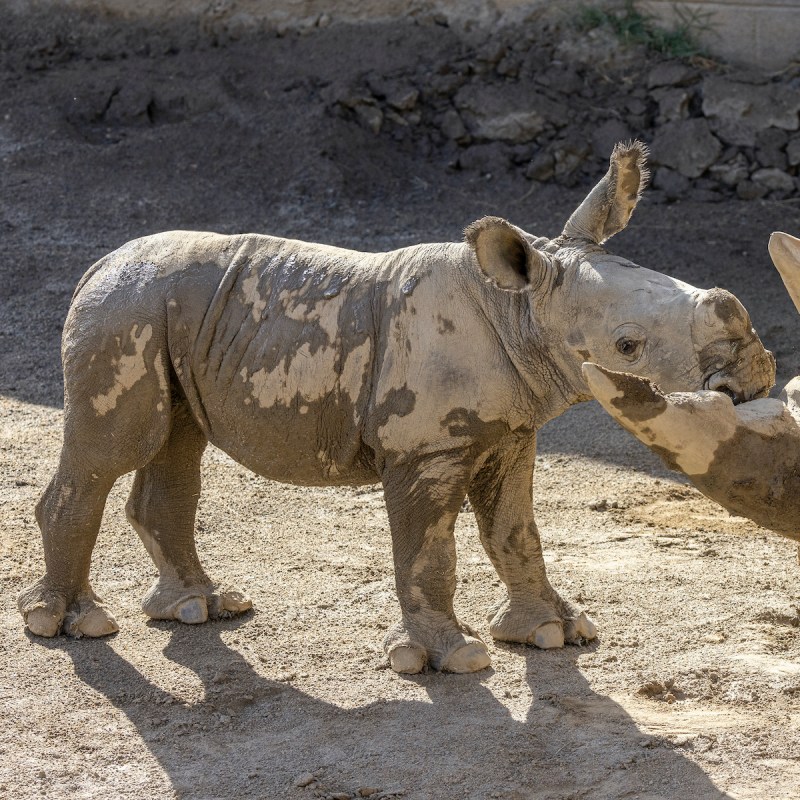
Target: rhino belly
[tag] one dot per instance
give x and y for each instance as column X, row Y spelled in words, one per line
column 284, row 392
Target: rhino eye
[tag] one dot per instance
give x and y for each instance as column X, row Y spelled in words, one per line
column 627, row 347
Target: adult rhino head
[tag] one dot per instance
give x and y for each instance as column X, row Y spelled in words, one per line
column 747, row 457
column 590, row 305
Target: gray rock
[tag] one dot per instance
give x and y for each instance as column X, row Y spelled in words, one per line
column 569, row 153
column 731, row 173
column 747, row 190
column 672, row 183
column 775, row 180
column 490, row 158
column 542, row 167
column 607, row 134
column 738, row 111
column 672, row 104
column 131, row 105
column 770, row 148
column 512, row 112
column 793, row 151
column 452, row 126
column 687, row 146
column 670, row 73
column 371, row 117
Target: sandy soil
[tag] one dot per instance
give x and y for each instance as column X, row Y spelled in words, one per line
column 692, row 689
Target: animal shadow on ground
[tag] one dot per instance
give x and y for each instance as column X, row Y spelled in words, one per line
column 252, row 737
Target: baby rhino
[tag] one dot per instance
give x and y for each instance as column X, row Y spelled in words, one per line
column 428, row 369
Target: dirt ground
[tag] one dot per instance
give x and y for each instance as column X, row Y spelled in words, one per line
column 692, row 689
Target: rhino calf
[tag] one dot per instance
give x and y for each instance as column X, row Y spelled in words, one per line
column 744, row 457
column 428, row 368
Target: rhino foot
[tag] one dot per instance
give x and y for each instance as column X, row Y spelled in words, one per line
column 543, row 624
column 459, row 650
column 171, row 599
column 48, row 612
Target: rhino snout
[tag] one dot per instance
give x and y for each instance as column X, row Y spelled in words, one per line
column 749, row 379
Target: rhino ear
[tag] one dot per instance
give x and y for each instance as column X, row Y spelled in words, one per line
column 785, row 253
column 608, row 207
column 506, row 256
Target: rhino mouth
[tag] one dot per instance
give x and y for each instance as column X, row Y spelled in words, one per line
column 728, row 385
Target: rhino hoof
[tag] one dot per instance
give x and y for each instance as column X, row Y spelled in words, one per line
column 94, row 623
column 235, row 601
column 580, row 628
column 549, row 635
column 42, row 622
column 407, row 659
column 192, row 611
column 470, row 658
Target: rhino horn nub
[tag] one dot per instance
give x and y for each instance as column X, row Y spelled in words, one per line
column 608, row 207
column 785, row 253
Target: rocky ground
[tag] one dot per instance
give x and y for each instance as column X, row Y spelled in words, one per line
column 377, row 136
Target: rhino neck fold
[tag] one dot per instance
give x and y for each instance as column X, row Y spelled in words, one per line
column 542, row 390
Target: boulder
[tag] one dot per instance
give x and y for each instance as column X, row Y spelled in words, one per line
column 512, row 112
column 687, row 146
column 738, row 111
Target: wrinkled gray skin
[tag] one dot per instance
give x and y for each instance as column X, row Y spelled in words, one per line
column 429, row 368
column 744, row 457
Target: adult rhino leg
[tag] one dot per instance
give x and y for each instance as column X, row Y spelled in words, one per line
column 501, row 494
column 116, row 417
column 423, row 502
column 162, row 508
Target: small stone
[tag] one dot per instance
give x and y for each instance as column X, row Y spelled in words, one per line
column 371, row 117
column 672, row 104
column 732, row 172
column 306, row 779
column 672, row 183
column 452, row 126
column 367, row 791
column 340, row 796
column 747, row 190
column 599, row 505
column 651, row 689
column 775, row 180
column 670, row 73
column 793, row 151
column 542, row 168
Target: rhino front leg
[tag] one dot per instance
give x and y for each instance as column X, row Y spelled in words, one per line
column 423, row 501
column 162, row 508
column 501, row 494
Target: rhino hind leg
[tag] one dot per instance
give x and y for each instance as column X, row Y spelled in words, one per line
column 162, row 508
column 101, row 443
column 502, row 498
column 423, row 504
column 69, row 515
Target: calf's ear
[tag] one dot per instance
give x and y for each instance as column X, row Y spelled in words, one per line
column 506, row 256
column 785, row 253
column 608, row 207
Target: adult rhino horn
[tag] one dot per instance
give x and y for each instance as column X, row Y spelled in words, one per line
column 785, row 253
column 608, row 207
column 745, row 457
